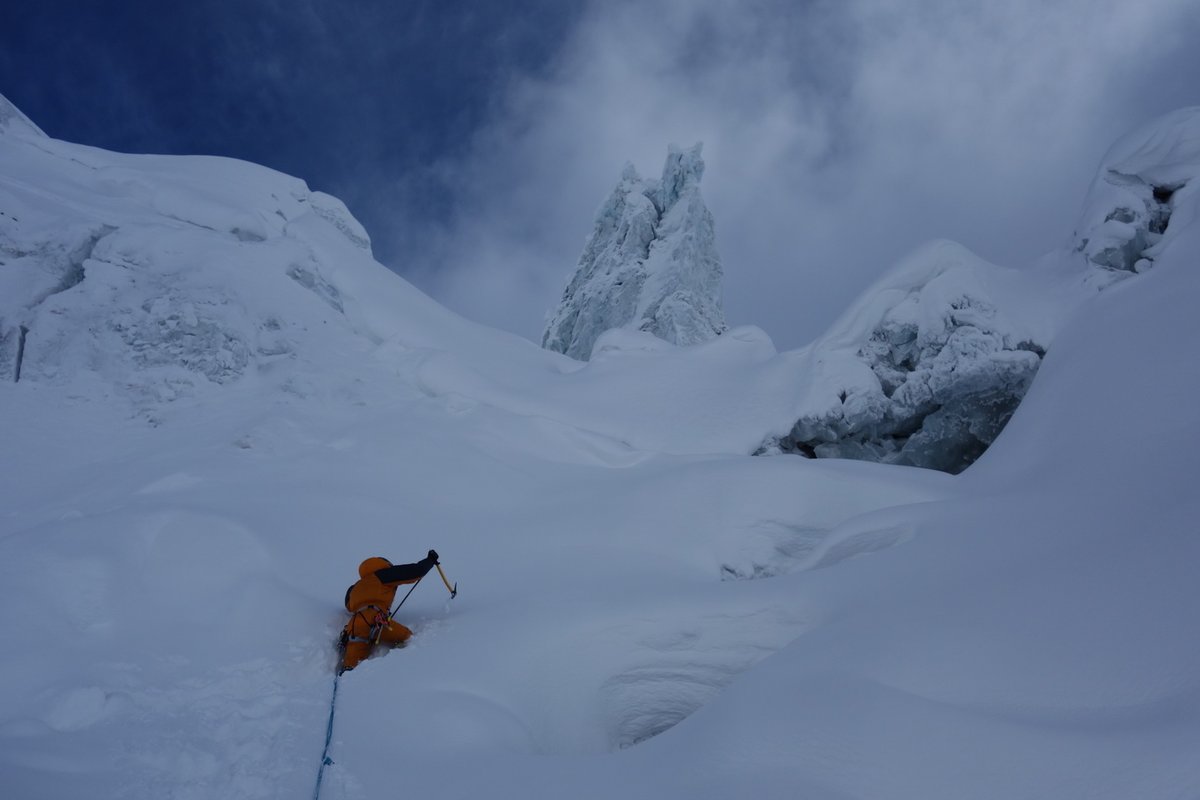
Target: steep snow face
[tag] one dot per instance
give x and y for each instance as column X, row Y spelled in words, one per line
column 160, row 275
column 651, row 264
column 1126, row 220
column 157, row 279
column 926, row 369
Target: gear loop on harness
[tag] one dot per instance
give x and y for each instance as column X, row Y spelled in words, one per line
column 375, row 625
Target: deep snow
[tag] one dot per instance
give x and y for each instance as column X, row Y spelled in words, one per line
column 644, row 609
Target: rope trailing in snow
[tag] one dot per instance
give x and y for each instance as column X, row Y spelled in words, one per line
column 325, row 759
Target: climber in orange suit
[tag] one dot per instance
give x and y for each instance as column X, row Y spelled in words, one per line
column 369, row 602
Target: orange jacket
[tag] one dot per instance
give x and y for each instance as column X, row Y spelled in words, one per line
column 379, row 579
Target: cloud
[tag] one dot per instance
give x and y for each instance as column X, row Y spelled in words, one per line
column 476, row 144
column 838, row 136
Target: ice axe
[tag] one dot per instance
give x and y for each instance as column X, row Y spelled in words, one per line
column 452, row 589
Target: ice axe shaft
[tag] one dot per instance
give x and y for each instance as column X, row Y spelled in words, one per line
column 452, row 589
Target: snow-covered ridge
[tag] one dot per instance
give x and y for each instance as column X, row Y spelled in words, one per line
column 13, row 122
column 149, row 270
column 167, row 277
column 651, row 264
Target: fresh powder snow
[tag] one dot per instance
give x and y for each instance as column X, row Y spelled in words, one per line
column 224, row 404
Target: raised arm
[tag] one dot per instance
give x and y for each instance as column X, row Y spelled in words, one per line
column 408, row 573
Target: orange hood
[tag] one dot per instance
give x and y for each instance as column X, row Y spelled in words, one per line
column 371, row 565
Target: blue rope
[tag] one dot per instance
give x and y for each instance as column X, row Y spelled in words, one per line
column 325, row 759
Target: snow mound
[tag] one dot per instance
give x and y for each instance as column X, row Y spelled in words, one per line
column 1141, row 183
column 651, row 264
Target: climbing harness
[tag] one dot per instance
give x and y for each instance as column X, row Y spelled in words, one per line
column 375, row 625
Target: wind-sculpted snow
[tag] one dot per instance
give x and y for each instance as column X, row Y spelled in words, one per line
column 1142, row 180
column 651, row 264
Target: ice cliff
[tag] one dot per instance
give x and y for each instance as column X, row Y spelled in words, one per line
column 651, row 264
column 928, row 367
column 925, row 369
column 162, row 275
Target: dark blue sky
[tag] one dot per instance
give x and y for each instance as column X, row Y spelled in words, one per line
column 475, row 140
column 342, row 94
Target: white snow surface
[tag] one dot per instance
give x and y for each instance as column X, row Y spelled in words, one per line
column 226, row 404
column 651, row 264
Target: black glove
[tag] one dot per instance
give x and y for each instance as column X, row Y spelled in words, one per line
column 433, row 556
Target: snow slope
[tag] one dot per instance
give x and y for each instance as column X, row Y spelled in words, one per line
column 644, row 610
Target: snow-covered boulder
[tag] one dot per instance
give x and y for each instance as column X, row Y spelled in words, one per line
column 925, row 369
column 651, row 264
column 1126, row 218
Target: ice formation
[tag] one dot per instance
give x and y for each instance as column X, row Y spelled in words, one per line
column 925, row 370
column 929, row 366
column 1125, row 222
column 651, row 264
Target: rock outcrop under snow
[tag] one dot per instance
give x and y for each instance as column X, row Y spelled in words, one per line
column 651, row 264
